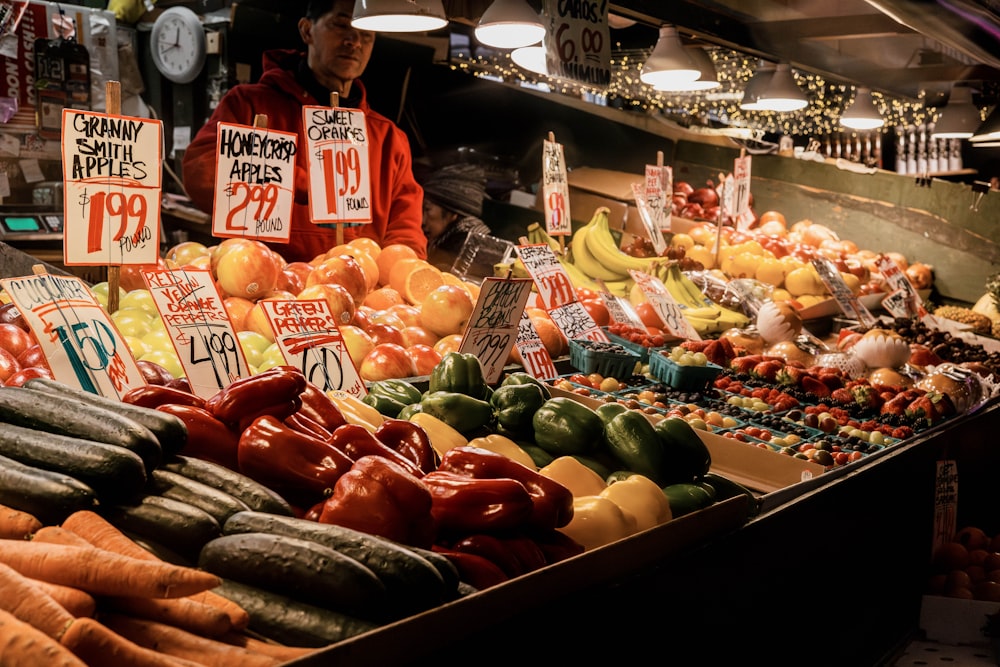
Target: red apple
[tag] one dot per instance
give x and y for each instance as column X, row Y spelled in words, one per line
column 384, row 333
column 130, row 275
column 357, row 341
column 185, row 253
column 921, row 355
column 237, row 309
column 293, row 276
column 341, row 270
column 14, row 339
column 418, row 336
column 249, row 270
column 338, row 299
column 705, row 196
column 683, row 187
column 425, row 358
column 386, row 361
column 409, row 315
column 362, row 317
column 10, row 313
column 25, row 374
column 8, row 365
column 33, row 356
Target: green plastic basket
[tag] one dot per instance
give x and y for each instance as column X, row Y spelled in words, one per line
column 609, row 364
column 683, row 378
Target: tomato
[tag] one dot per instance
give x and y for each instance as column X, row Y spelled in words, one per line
column 580, row 378
column 585, row 293
column 597, row 310
column 648, row 315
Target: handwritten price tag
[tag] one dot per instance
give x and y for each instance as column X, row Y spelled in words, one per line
column 665, row 305
column 254, row 183
column 897, row 280
column 80, row 343
column 493, row 327
column 199, row 328
column 555, row 190
column 578, row 42
column 111, row 185
column 339, row 181
column 621, row 310
column 309, row 338
column 659, row 195
column 648, row 212
column 535, row 357
column 741, row 193
column 834, row 282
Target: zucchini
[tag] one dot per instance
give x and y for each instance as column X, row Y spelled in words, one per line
column 304, row 570
column 257, row 497
column 184, row 527
column 290, row 622
column 114, row 473
column 49, row 496
column 219, row 504
column 726, row 488
column 169, row 430
column 44, row 411
column 449, row 573
column 412, row 582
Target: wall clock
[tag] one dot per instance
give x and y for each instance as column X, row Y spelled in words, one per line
column 177, row 44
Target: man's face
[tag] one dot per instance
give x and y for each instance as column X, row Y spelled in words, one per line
column 436, row 220
column 337, row 52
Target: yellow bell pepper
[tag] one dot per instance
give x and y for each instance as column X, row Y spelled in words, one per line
column 575, row 476
column 598, row 521
column 501, row 444
column 442, row 436
column 356, row 411
column 642, row 498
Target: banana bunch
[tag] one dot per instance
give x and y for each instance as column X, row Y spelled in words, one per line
column 615, row 283
column 597, row 254
column 706, row 316
column 537, row 234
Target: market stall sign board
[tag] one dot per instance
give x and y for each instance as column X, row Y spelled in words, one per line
column 493, row 326
column 339, row 171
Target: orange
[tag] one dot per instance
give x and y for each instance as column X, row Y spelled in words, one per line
column 365, row 244
column 368, row 265
column 420, row 282
column 391, row 254
column 400, row 270
column 447, row 344
column 552, row 338
column 382, row 298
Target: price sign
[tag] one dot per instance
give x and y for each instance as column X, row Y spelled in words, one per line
column 660, row 194
column 665, row 305
column 897, row 280
column 576, row 323
column 647, row 213
column 254, row 183
column 493, row 327
column 309, row 339
column 620, row 309
column 577, row 42
column 534, row 357
column 111, row 186
column 741, row 193
column 834, row 282
column 339, row 171
column 81, row 344
column 555, row 190
column 199, row 328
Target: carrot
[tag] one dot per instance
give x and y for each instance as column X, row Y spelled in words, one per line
column 76, row 602
column 176, row 642
column 57, row 535
column 185, row 613
column 96, row 644
column 16, row 524
column 279, row 651
column 29, row 603
column 103, row 534
column 103, row 572
column 22, row 645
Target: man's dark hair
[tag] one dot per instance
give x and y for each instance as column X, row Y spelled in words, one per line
column 316, row 8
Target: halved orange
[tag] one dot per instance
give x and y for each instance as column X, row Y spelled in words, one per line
column 391, row 254
column 420, row 282
column 401, row 269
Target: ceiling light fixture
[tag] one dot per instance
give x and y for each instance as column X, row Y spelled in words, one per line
column 707, row 78
column 531, row 58
column 756, row 85
column 399, row 15
column 989, row 130
column 510, row 24
column 669, row 62
column 862, row 114
column 782, row 93
column 960, row 118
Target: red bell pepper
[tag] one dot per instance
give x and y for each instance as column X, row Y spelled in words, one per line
column 557, row 546
column 473, row 569
column 320, row 408
column 304, row 424
column 208, row 438
column 492, row 549
column 380, row 497
column 301, row 467
column 463, row 504
column 410, row 440
column 357, row 441
column 155, row 395
column 273, row 392
column 552, row 503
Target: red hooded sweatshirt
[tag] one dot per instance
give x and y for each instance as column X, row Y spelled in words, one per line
column 397, row 199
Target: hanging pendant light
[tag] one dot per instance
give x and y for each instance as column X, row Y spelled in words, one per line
column 756, row 85
column 960, row 118
column 510, row 24
column 669, row 62
column 707, row 78
column 782, row 93
column 862, row 114
column 989, row 131
column 531, row 58
column 399, row 15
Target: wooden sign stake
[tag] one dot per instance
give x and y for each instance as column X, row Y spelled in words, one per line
column 562, row 237
column 113, row 97
column 335, row 102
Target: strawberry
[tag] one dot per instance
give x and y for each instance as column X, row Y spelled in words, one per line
column 791, row 375
column 815, row 386
column 743, row 365
column 921, row 408
column 840, row 395
column 867, row 397
column 767, row 370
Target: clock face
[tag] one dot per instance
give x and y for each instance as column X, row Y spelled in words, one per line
column 178, row 44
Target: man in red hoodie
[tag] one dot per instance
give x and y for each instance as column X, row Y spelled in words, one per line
column 336, row 55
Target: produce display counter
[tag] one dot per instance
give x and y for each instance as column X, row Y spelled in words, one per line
column 832, row 576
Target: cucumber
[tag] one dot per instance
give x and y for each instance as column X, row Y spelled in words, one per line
column 304, row 570
column 257, row 497
column 449, row 573
column 49, row 496
column 412, row 582
column 726, row 488
column 290, row 622
column 169, row 430
column 63, row 415
column 219, row 504
column 114, row 473
column 183, row 527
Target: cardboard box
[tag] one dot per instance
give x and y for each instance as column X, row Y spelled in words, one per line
column 590, row 188
column 955, row 621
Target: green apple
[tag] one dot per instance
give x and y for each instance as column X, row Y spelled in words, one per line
column 139, row 298
column 168, row 359
column 132, row 321
column 253, row 345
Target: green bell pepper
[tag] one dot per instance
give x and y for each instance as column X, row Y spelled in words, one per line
column 409, row 411
column 520, row 377
column 564, row 427
column 390, row 396
column 688, row 459
column 633, row 441
column 515, row 405
column 610, row 410
column 460, row 373
column 463, row 413
column 686, row 498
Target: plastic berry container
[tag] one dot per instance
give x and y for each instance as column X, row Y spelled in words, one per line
column 607, row 359
column 684, row 378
